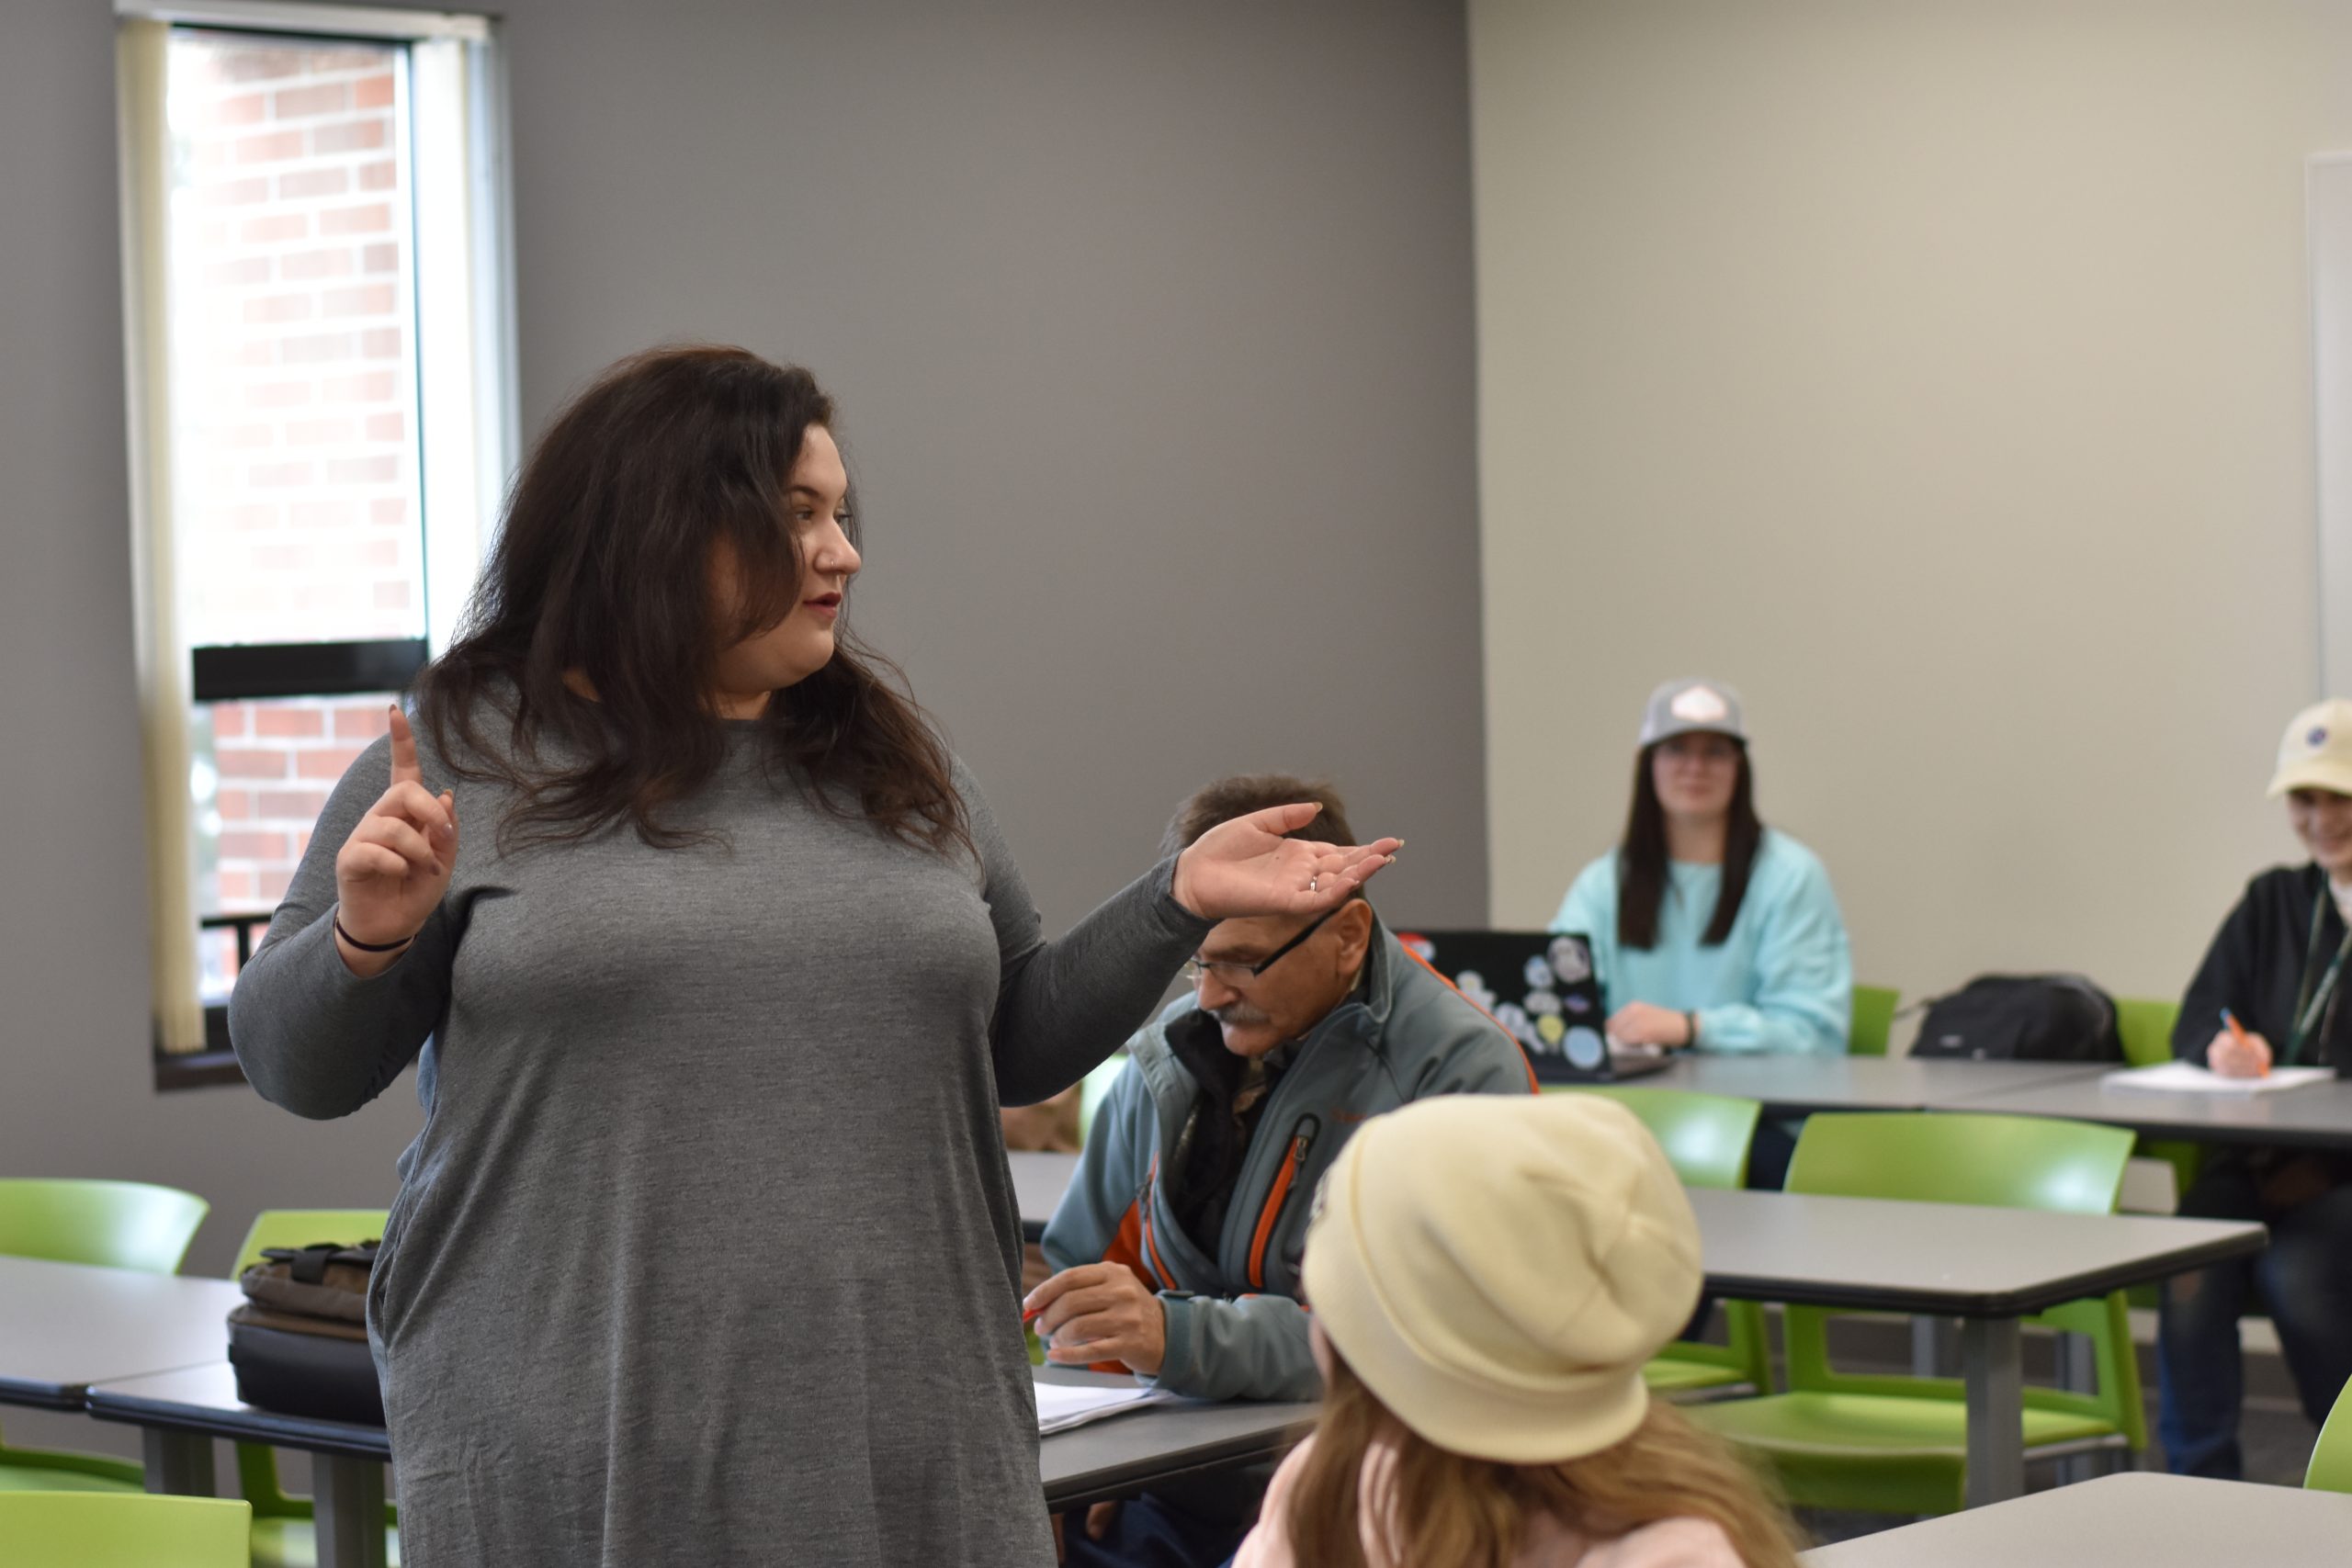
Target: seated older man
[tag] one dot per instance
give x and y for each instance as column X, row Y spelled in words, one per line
column 1177, row 1243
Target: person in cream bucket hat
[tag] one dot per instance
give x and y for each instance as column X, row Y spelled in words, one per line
column 1498, row 1281
column 2271, row 992
column 1488, row 1277
column 2317, row 750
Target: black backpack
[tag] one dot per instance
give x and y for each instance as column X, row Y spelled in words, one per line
column 299, row 1341
column 2021, row 1018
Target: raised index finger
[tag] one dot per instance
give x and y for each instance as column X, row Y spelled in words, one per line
column 404, row 768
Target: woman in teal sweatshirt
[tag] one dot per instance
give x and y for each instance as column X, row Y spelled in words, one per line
column 1709, row 930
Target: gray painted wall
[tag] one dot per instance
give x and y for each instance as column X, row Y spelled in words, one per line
column 1152, row 329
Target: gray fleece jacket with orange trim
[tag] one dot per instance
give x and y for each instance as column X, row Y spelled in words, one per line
column 1236, row 1325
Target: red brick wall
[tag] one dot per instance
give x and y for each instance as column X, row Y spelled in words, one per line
column 276, row 762
column 294, row 391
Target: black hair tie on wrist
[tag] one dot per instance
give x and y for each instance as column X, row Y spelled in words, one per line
column 369, row 946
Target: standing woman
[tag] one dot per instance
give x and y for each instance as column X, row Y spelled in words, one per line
column 707, row 1251
column 1709, row 930
column 2278, row 968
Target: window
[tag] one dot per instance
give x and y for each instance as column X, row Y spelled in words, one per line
column 321, row 386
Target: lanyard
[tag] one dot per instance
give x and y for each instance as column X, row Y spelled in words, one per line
column 2311, row 1003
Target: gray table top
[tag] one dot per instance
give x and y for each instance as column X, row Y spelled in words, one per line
column 66, row 1326
column 1107, row 1459
column 1799, row 1085
column 1038, row 1181
column 2144, row 1519
column 204, row 1399
column 1116, row 1458
column 1946, row 1259
column 1949, row 1259
column 2317, row 1115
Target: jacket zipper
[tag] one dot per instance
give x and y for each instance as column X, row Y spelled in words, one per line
column 1301, row 1139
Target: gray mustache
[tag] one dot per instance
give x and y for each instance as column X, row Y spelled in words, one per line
column 1238, row 1013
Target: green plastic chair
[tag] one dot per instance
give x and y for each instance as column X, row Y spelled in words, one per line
column 1899, row 1444
column 1706, row 1138
column 2146, row 1027
column 1095, row 1088
column 284, row 1533
column 2330, row 1468
column 89, row 1530
column 122, row 1224
column 1874, row 1019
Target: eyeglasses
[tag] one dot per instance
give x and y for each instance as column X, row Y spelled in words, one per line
column 1233, row 972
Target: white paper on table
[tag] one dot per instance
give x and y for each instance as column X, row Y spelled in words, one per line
column 1061, row 1406
column 2187, row 1077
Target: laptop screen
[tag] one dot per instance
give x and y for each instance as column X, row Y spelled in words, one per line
column 1538, row 985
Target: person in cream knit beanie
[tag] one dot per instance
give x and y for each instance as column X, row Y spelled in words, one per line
column 1499, row 1288
column 1487, row 1278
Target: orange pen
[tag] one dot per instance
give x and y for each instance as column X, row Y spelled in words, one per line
column 2238, row 1033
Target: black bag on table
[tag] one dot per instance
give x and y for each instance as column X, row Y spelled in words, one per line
column 2021, row 1018
column 299, row 1341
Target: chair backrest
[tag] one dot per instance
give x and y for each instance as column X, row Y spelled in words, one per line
column 2020, row 1162
column 1705, row 1137
column 123, row 1530
column 300, row 1227
column 124, row 1224
column 2016, row 1162
column 2331, row 1469
column 1095, row 1088
column 2146, row 1031
column 1872, row 1020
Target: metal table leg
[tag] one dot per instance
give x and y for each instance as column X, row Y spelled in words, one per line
column 1923, row 1347
column 1991, row 1360
column 178, row 1462
column 348, row 1499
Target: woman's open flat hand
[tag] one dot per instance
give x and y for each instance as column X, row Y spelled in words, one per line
column 392, row 872
column 1246, row 867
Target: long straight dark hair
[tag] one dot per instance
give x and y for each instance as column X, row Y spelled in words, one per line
column 1641, row 858
column 604, row 566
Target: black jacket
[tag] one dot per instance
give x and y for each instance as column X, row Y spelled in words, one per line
column 2256, row 969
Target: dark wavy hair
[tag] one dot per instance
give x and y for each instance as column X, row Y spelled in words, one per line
column 1641, row 858
column 603, row 566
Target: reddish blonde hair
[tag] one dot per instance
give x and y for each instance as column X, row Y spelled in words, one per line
column 1473, row 1513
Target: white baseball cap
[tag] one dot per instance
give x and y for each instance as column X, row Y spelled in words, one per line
column 1681, row 706
column 2317, row 750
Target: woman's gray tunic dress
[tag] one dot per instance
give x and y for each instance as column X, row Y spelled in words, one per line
column 707, row 1252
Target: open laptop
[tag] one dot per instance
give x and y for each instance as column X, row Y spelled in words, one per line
column 1540, row 987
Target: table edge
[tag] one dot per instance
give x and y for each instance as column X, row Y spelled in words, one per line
column 1122, row 1479
column 1960, row 1303
column 306, row 1433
